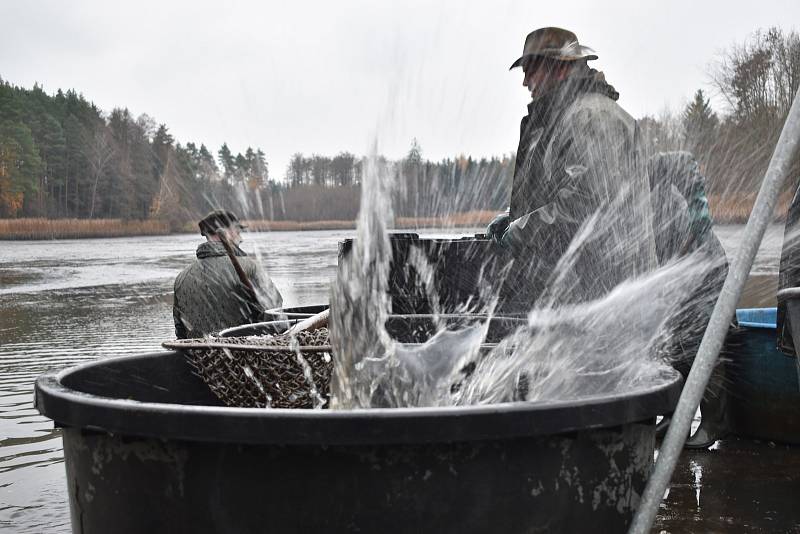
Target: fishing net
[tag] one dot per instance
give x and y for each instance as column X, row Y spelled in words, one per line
column 283, row 371
column 279, row 371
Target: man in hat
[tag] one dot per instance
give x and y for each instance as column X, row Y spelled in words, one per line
column 209, row 294
column 583, row 206
column 578, row 221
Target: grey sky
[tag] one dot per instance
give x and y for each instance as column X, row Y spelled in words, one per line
column 329, row 76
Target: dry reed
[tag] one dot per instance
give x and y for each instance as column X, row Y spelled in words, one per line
column 735, row 209
column 297, row 226
column 725, row 209
column 19, row 229
column 468, row 218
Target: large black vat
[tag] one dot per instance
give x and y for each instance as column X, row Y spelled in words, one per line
column 149, row 449
column 466, row 272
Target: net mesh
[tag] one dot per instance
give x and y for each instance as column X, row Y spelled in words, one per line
column 278, row 371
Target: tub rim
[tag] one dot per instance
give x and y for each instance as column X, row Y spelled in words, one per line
column 72, row 408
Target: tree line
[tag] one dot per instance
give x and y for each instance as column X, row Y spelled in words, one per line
column 62, row 157
column 757, row 81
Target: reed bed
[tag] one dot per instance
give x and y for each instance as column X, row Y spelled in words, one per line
column 468, row 218
column 297, row 226
column 735, row 209
column 39, row 228
column 725, row 209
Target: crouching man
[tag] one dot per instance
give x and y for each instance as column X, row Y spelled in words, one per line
column 209, row 294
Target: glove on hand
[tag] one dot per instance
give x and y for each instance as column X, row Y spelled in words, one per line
column 498, row 227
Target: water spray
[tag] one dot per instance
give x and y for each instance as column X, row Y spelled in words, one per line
column 714, row 336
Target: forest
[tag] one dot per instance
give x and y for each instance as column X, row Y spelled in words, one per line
column 63, row 158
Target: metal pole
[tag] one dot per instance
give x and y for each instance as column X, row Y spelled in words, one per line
column 718, row 324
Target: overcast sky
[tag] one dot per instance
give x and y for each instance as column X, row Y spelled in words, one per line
column 326, row 76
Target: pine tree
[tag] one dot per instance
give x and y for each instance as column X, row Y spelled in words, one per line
column 699, row 123
column 294, row 173
column 226, row 161
column 242, row 166
column 415, row 153
column 257, row 168
column 208, row 167
column 162, row 146
column 342, row 167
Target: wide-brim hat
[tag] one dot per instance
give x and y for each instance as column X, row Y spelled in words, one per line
column 217, row 220
column 554, row 43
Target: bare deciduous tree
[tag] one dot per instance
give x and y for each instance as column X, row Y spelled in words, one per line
column 99, row 150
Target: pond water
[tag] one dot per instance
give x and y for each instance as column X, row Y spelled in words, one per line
column 66, row 302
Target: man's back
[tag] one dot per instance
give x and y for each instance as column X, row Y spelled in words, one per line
column 209, row 296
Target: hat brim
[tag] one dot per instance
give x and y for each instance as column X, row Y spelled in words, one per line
column 521, row 61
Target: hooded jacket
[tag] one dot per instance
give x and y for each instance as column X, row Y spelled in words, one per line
column 580, row 197
column 209, row 296
column 682, row 226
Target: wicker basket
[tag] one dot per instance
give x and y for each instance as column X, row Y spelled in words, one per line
column 264, row 371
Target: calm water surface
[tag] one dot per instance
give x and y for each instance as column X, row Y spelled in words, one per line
column 65, row 302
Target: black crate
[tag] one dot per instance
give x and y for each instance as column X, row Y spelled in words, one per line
column 467, row 272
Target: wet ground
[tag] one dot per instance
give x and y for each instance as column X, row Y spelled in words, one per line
column 65, row 302
column 740, row 485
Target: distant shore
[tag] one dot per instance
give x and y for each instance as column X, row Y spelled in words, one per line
column 40, row 229
column 723, row 210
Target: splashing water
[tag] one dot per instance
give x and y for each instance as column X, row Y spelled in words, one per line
column 422, row 374
column 579, row 340
column 317, row 398
column 360, row 303
column 583, row 350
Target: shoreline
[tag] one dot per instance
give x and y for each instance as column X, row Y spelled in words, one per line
column 733, row 211
column 56, row 229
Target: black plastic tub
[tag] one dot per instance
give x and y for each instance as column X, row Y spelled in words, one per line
column 149, row 449
column 465, row 273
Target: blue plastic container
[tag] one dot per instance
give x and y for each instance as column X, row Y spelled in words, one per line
column 762, row 381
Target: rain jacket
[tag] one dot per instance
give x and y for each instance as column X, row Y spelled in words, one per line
column 579, row 206
column 681, row 219
column 209, row 296
column 682, row 225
